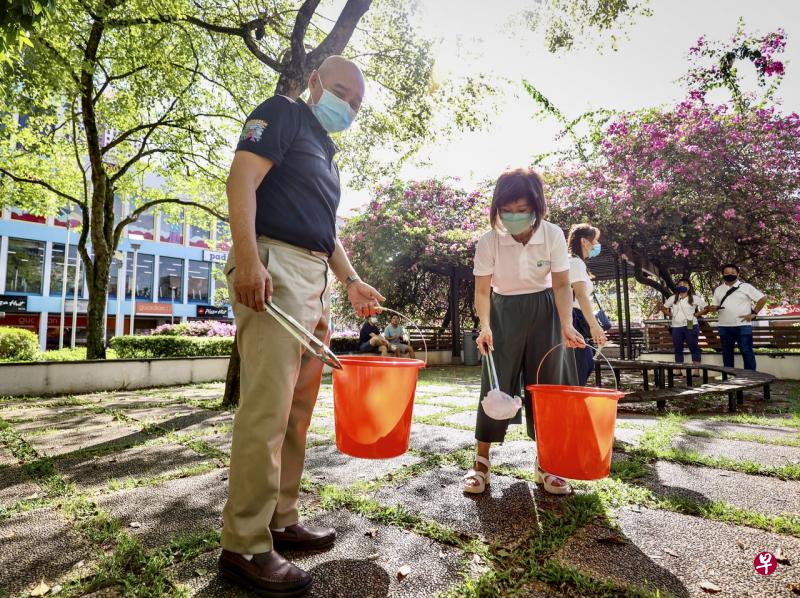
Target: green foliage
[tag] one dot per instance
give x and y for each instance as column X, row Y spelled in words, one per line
column 18, row 18
column 147, row 347
column 17, row 344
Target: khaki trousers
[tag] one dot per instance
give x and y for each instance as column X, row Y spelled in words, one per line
column 279, row 387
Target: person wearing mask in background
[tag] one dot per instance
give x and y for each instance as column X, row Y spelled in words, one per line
column 684, row 307
column 524, row 303
column 370, row 339
column 584, row 242
column 396, row 335
column 737, row 304
column 283, row 193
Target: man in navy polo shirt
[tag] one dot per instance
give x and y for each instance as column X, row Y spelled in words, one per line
column 283, row 192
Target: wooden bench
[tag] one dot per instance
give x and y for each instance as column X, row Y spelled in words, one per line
column 734, row 382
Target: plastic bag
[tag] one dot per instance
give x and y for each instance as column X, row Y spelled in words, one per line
column 497, row 404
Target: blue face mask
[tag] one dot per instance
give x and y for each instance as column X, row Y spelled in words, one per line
column 595, row 250
column 332, row 112
column 683, row 289
column 516, row 224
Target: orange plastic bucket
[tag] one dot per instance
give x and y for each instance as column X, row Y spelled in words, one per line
column 373, row 399
column 574, row 429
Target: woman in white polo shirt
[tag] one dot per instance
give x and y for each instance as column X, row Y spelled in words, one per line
column 584, row 242
column 524, row 302
column 684, row 307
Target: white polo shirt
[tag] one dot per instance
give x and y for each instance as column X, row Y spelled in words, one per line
column 739, row 304
column 683, row 311
column 518, row 269
column 579, row 273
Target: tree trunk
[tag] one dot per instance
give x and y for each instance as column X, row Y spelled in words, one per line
column 95, row 325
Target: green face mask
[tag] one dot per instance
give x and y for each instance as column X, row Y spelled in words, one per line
column 516, row 224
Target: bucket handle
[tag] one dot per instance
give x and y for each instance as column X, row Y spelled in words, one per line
column 413, row 323
column 596, row 351
column 493, row 380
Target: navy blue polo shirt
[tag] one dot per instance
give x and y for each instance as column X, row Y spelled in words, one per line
column 297, row 200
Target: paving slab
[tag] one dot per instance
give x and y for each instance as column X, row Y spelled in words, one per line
column 765, row 454
column 219, row 418
column 15, row 485
column 92, row 473
column 363, row 563
column 36, row 546
column 35, row 411
column 719, row 427
column 326, row 464
column 96, row 437
column 426, row 410
column 221, row 442
column 504, row 513
column 676, row 553
column 158, row 414
column 82, row 419
column 439, row 439
column 172, row 508
column 465, row 419
column 467, row 401
column 628, row 436
column 634, row 419
column 127, row 399
column 516, row 453
column 757, row 493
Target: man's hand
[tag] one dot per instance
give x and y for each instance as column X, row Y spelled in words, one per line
column 252, row 284
column 598, row 334
column 364, row 299
column 485, row 341
column 748, row 318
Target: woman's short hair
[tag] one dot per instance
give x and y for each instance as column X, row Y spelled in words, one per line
column 577, row 233
column 522, row 183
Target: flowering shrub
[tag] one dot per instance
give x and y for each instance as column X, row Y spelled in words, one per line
column 345, row 341
column 200, row 328
column 147, row 347
column 17, row 344
column 406, row 239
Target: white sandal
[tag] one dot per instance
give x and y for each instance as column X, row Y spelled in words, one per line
column 481, row 476
column 548, row 479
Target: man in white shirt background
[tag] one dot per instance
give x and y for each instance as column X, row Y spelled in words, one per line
column 737, row 304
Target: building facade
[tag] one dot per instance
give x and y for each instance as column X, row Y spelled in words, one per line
column 177, row 271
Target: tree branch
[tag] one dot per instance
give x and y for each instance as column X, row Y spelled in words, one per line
column 48, row 186
column 298, row 49
column 77, row 153
column 134, row 215
column 337, row 40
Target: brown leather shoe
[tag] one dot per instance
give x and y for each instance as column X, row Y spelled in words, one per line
column 268, row 574
column 301, row 538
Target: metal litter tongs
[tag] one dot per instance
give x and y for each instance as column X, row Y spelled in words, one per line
column 318, row 349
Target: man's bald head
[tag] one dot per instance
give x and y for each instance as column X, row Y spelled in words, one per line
column 340, row 76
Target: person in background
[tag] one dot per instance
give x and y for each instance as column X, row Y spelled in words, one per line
column 737, row 304
column 524, row 303
column 370, row 339
column 584, row 242
column 397, row 337
column 684, row 307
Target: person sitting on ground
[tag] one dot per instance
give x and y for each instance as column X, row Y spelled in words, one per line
column 396, row 335
column 370, row 338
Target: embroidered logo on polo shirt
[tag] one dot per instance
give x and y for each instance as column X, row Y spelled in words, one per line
column 541, row 263
column 253, row 129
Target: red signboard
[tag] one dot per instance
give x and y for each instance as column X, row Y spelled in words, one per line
column 153, row 309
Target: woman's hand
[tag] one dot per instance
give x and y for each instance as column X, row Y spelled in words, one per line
column 572, row 338
column 485, row 341
column 598, row 334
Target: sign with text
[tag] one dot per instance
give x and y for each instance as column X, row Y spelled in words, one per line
column 211, row 311
column 218, row 257
column 153, row 309
column 13, row 304
column 83, row 305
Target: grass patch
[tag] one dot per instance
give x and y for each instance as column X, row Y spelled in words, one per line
column 117, row 484
column 746, row 437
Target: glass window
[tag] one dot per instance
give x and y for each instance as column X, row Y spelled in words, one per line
column 144, row 226
column 114, row 278
column 170, row 277
column 199, row 236
column 57, row 271
column 144, row 276
column 17, row 214
column 69, row 213
column 171, row 229
column 199, row 276
column 25, row 266
column 223, row 236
